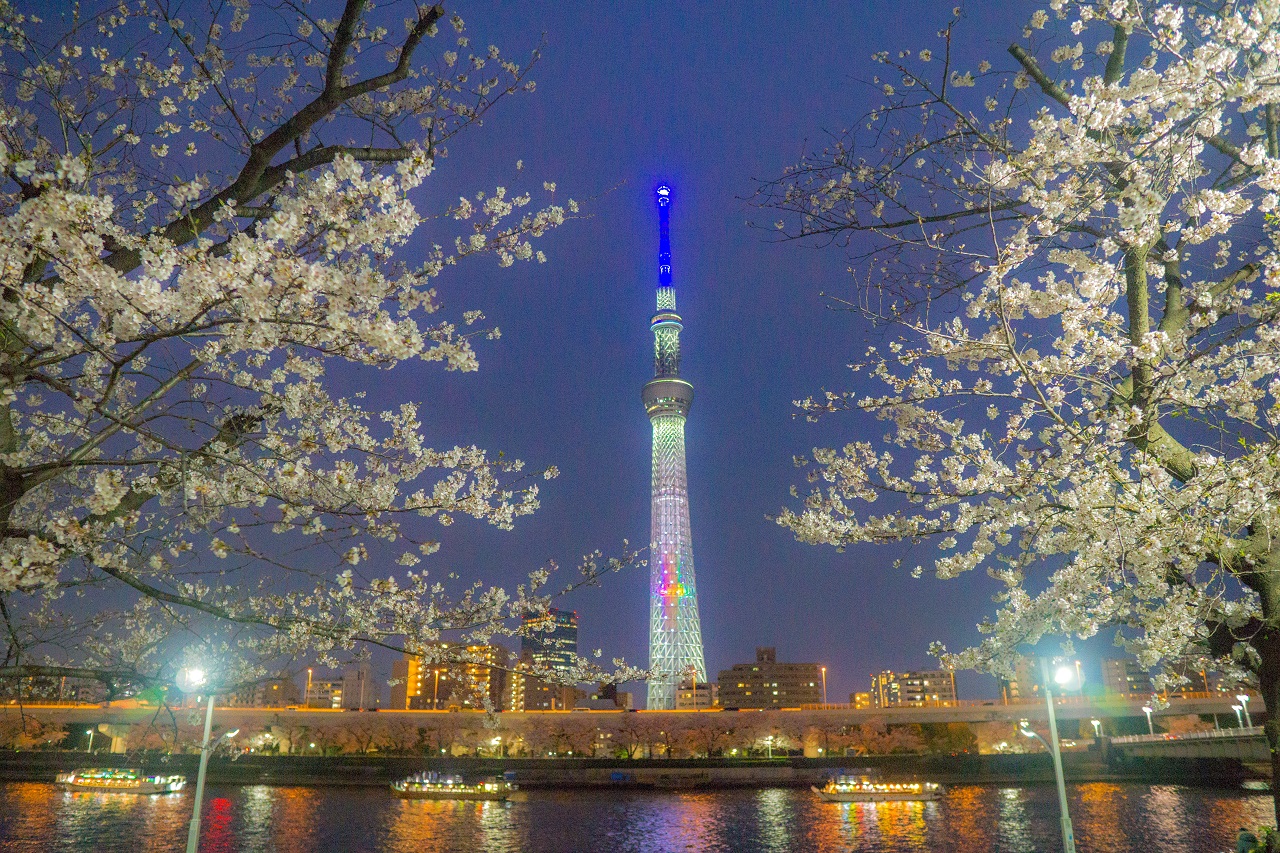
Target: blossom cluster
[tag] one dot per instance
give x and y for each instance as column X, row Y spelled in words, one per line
column 188, row 247
column 1082, row 397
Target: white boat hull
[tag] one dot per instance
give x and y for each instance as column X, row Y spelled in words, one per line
column 90, row 783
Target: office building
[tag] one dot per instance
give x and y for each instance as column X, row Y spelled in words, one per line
column 1124, row 677
column 323, row 693
column 918, row 689
column 769, row 684
column 549, row 641
column 692, row 696
column 460, row 677
column 359, row 689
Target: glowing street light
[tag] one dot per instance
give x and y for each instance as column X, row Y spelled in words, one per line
column 90, row 733
column 1243, row 698
column 1146, row 709
column 191, row 679
column 1239, row 719
column 768, row 743
column 1097, row 728
column 824, row 685
column 1067, row 677
column 435, row 695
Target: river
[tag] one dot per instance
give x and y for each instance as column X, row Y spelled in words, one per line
column 1109, row 818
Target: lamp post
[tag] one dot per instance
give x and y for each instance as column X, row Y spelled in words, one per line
column 824, row 685
column 1239, row 719
column 191, row 679
column 1146, row 709
column 90, row 733
column 1244, row 703
column 768, row 744
column 1097, row 728
column 1065, row 676
column 435, row 694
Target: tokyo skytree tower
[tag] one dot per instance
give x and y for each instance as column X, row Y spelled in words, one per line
column 675, row 632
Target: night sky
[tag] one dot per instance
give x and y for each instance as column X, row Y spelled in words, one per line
column 709, row 99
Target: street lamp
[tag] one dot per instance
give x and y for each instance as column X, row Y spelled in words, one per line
column 824, row 685
column 435, row 695
column 191, row 679
column 1097, row 728
column 496, row 743
column 90, row 733
column 1244, row 703
column 1067, row 677
column 1239, row 720
column 1146, row 709
column 768, row 744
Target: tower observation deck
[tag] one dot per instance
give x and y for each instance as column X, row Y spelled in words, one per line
column 675, row 632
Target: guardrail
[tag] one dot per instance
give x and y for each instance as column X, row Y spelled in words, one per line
column 1254, row 731
column 1038, row 701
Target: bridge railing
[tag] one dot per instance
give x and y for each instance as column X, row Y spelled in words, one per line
column 1254, row 731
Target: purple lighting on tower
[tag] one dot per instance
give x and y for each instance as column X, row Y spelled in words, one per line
column 675, row 632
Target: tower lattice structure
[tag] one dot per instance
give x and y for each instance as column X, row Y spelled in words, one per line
column 675, row 631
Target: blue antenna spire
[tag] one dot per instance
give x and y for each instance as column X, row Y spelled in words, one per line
column 664, row 235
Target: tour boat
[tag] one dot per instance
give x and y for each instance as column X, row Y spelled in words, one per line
column 119, row 780
column 863, row 789
column 434, row 786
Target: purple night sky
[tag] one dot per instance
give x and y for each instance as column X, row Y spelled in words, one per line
column 709, row 99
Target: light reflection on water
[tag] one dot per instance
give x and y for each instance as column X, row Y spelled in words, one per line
column 1013, row 826
column 1108, row 818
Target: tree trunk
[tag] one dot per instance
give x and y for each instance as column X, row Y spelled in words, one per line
column 1267, row 645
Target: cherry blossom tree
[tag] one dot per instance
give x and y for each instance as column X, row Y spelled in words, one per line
column 204, row 215
column 1076, row 254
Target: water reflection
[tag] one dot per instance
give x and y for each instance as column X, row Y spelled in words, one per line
column 970, row 815
column 293, row 817
column 440, row 824
column 1097, row 816
column 1167, row 814
column 1109, row 818
column 1013, row 826
column 774, row 813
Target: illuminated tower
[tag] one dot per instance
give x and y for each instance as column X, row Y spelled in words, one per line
column 675, row 632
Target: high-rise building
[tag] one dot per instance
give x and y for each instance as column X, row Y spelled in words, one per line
column 769, row 684
column 675, row 632
column 550, row 640
column 925, row 688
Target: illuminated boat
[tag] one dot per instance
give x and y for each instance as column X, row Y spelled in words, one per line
column 863, row 789
column 119, row 780
column 434, row 786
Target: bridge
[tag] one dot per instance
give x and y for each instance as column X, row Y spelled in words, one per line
column 1249, row 745
column 1065, row 708
column 117, row 719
